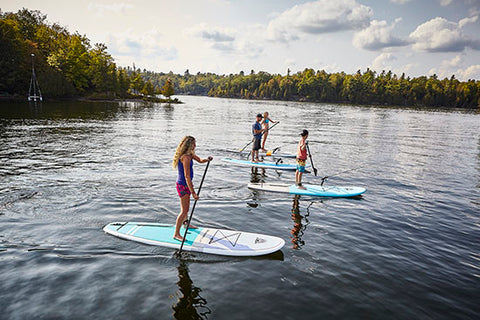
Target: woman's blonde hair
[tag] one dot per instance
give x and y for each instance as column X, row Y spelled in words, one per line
column 184, row 147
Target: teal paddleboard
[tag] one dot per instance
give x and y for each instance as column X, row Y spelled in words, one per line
column 206, row 240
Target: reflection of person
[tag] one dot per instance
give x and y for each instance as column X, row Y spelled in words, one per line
column 190, row 304
column 183, row 160
column 301, row 159
column 266, row 124
column 297, row 224
column 257, row 137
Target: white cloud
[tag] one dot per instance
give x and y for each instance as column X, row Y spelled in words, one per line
column 445, row 3
column 383, row 62
column 466, row 21
column 322, row 16
column 218, row 38
column 400, row 1
column 454, row 66
column 214, row 34
column 148, row 45
column 441, row 35
column 378, row 36
column 101, row 9
column 472, row 72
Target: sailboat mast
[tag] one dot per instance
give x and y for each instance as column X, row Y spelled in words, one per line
column 34, row 84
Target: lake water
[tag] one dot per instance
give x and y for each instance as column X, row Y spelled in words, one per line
column 408, row 249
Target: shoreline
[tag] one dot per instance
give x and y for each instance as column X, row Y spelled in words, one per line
column 16, row 98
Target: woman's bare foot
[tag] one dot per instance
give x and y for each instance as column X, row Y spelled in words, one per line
column 191, row 226
column 179, row 238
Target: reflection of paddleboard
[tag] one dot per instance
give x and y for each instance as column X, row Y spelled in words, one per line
column 312, row 190
column 263, row 164
column 207, row 240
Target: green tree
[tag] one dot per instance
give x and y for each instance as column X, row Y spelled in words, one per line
column 168, row 89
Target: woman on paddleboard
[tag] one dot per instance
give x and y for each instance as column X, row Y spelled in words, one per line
column 183, row 160
column 266, row 124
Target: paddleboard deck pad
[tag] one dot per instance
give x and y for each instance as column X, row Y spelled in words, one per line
column 311, row 190
column 206, row 240
column 263, row 164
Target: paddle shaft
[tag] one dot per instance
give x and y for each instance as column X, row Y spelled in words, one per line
column 193, row 208
column 254, row 139
column 311, row 161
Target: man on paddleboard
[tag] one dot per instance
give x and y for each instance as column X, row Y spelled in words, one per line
column 301, row 159
column 257, row 132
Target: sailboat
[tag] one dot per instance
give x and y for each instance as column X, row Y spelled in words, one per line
column 34, row 93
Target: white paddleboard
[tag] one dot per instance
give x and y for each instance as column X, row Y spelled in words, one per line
column 262, row 164
column 206, row 240
column 311, row 190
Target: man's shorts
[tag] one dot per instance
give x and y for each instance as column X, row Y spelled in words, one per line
column 256, row 144
column 300, row 165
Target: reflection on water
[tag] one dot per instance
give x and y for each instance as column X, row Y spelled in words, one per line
column 190, row 304
column 69, row 168
column 258, row 175
column 299, row 228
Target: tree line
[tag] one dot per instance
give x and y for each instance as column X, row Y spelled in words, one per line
column 67, row 65
column 366, row 87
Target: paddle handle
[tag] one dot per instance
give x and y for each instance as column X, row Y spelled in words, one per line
column 194, row 205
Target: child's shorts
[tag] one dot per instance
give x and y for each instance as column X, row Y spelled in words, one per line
column 300, row 165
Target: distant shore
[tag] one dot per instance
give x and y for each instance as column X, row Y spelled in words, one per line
column 18, row 98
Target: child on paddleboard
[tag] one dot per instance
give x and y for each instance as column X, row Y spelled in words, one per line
column 183, row 160
column 257, row 137
column 301, row 159
column 266, row 124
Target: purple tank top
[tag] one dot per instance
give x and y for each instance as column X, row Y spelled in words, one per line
column 181, row 173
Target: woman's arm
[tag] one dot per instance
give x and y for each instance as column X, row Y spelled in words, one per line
column 199, row 160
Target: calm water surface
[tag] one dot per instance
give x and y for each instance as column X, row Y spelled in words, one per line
column 409, row 249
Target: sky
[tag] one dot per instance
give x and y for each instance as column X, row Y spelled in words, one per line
column 415, row 37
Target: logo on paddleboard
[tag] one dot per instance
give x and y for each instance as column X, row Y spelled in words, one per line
column 260, row 240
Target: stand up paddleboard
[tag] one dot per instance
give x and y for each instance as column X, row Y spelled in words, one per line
column 206, row 240
column 271, row 154
column 262, row 164
column 311, row 190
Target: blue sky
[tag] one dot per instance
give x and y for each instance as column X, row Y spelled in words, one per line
column 415, row 37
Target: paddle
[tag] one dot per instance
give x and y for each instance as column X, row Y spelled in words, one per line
column 253, row 139
column 311, row 161
column 193, row 208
